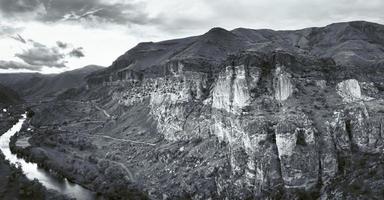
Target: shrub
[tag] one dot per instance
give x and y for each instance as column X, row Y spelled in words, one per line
column 301, row 138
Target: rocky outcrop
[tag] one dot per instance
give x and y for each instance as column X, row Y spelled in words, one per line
column 349, row 90
column 178, row 100
column 282, row 84
column 355, row 130
column 231, row 92
column 173, row 100
column 296, row 144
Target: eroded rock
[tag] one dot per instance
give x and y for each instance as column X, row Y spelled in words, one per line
column 349, row 90
column 282, row 84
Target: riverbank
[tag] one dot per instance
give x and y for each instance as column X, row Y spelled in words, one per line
column 14, row 184
column 103, row 176
column 69, row 155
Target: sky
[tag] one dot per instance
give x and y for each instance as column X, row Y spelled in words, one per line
column 52, row 36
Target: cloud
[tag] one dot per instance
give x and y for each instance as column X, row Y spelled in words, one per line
column 6, row 30
column 14, row 7
column 198, row 16
column 78, row 52
column 62, row 45
column 38, row 55
column 41, row 55
column 76, row 10
column 175, row 16
column 18, row 65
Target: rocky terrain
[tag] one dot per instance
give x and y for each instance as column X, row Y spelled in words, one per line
column 241, row 114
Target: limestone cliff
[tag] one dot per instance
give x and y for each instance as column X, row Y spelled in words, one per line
column 287, row 128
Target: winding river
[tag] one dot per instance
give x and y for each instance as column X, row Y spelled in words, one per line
column 32, row 171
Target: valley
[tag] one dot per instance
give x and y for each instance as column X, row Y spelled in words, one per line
column 241, row 114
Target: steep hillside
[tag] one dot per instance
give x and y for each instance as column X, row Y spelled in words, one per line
column 8, row 96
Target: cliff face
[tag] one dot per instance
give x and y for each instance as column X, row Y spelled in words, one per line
column 258, row 113
column 290, row 121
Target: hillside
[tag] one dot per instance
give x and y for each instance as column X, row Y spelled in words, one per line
column 36, row 86
column 8, row 96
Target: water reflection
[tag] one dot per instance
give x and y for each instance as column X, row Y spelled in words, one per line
column 32, row 171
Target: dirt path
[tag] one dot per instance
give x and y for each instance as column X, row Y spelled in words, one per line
column 126, row 140
column 104, row 111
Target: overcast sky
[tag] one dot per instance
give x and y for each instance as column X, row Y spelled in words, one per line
column 51, row 36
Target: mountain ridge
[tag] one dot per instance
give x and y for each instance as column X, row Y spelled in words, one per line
column 36, row 85
column 345, row 42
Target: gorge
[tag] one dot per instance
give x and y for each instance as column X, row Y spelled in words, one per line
column 241, row 114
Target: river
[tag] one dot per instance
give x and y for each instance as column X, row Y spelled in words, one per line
column 32, row 171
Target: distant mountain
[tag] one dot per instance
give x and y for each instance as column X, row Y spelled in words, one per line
column 35, row 85
column 8, row 96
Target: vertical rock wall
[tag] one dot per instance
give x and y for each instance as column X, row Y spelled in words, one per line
column 231, row 91
column 282, row 84
column 300, row 144
column 297, row 150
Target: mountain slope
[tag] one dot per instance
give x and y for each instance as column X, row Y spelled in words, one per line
column 35, row 85
column 8, row 96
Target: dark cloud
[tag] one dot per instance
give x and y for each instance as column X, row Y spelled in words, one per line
column 78, row 52
column 73, row 10
column 15, row 7
column 41, row 55
column 18, row 65
column 38, row 55
column 61, row 44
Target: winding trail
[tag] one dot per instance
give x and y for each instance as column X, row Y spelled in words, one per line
column 103, row 110
column 126, row 140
